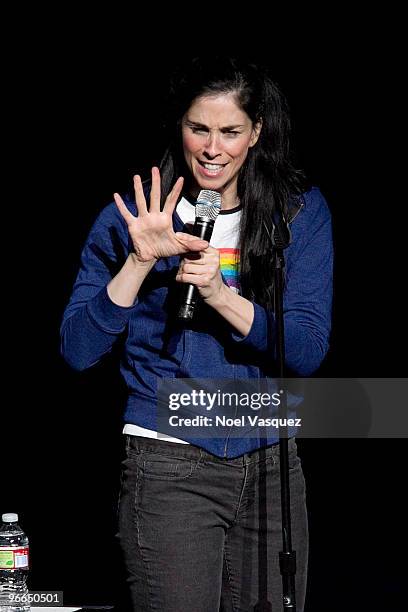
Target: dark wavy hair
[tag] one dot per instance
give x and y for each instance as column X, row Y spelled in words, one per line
column 267, row 180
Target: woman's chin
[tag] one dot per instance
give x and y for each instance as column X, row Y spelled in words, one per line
column 209, row 183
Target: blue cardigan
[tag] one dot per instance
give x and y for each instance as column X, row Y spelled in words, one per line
column 156, row 347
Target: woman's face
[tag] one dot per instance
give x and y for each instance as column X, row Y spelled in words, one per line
column 217, row 135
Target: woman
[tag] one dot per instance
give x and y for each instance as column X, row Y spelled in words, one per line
column 189, row 514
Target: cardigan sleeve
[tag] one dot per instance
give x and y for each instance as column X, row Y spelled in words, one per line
column 91, row 321
column 307, row 296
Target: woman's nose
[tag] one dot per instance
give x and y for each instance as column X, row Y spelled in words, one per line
column 212, row 146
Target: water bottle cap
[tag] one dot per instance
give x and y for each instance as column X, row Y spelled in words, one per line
column 10, row 517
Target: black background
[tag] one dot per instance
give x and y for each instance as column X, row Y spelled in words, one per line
column 82, row 105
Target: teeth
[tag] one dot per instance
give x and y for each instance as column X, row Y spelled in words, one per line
column 213, row 167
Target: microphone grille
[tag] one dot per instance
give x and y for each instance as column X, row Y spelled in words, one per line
column 208, row 204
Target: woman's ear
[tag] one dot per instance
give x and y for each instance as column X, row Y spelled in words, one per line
column 256, row 130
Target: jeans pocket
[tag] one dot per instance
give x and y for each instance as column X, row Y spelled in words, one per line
column 162, row 467
column 293, row 458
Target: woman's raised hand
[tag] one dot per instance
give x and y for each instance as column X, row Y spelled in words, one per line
column 152, row 231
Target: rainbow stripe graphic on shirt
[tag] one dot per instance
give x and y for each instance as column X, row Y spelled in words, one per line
column 229, row 264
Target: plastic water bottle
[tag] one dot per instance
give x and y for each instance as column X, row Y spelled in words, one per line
column 14, row 596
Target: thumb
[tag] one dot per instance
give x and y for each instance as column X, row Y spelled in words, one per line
column 192, row 243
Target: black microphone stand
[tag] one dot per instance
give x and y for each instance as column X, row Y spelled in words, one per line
column 280, row 239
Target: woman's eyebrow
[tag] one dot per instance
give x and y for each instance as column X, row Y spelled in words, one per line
column 201, row 125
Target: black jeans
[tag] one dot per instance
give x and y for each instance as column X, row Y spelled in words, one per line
column 189, row 527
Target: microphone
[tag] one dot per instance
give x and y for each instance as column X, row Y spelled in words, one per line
column 207, row 207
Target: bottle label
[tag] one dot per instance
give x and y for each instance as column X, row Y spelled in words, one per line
column 13, row 557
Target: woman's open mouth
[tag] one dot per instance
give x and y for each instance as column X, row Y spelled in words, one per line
column 212, row 170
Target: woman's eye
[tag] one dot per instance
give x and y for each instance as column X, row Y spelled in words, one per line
column 197, row 130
